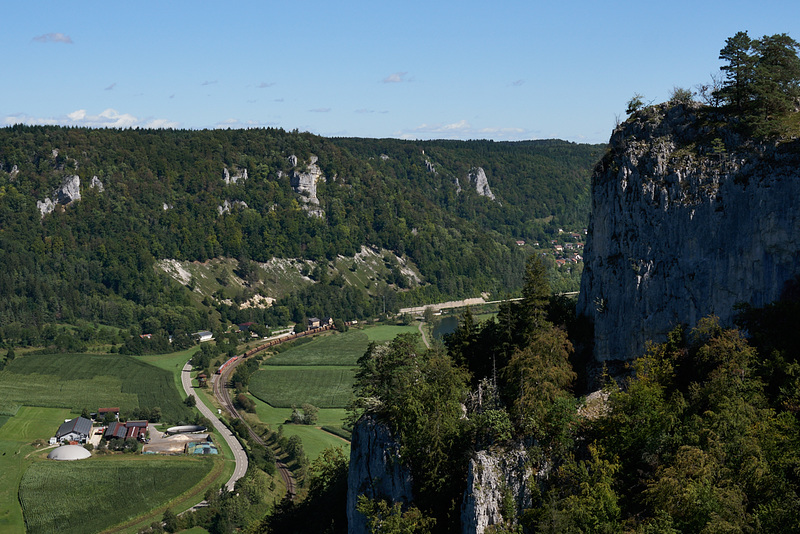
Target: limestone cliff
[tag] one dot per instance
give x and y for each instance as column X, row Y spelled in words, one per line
column 375, row 470
column 688, row 219
column 477, row 177
column 497, row 490
column 305, row 184
column 69, row 191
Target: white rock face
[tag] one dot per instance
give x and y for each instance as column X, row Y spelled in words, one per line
column 235, row 178
column 493, row 477
column 97, row 184
column 45, row 206
column 70, row 190
column 227, row 205
column 375, row 470
column 305, row 185
column 678, row 233
column 477, row 177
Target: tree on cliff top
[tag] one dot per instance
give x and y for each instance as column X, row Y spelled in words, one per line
column 762, row 76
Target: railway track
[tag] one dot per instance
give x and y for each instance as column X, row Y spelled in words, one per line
column 222, row 393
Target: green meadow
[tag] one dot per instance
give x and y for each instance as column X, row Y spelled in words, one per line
column 91, row 381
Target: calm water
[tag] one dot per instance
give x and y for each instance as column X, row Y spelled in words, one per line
column 445, row 325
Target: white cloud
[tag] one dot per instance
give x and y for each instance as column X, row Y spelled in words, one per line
column 464, row 130
column 161, row 123
column 397, row 77
column 109, row 118
column 53, row 38
column 320, row 110
column 517, row 83
column 111, row 87
column 264, row 85
column 209, row 82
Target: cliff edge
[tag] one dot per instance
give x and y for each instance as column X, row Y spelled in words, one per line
column 689, row 217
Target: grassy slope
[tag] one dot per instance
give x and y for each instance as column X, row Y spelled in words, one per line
column 16, row 454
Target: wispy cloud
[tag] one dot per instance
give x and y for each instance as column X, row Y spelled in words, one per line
column 264, row 85
column 463, row 130
column 397, row 77
column 208, row 82
column 53, row 38
column 517, row 83
column 320, row 110
column 109, row 118
column 236, row 123
column 111, row 87
column 364, row 110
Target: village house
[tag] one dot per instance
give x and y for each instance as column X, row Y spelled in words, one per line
column 313, row 322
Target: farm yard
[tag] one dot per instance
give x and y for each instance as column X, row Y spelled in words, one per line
column 103, row 491
column 78, row 381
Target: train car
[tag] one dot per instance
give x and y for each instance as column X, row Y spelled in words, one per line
column 226, row 364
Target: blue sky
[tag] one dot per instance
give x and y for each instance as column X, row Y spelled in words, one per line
column 504, row 70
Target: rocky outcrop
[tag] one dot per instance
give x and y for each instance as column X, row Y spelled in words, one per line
column 497, row 490
column 226, row 206
column 97, row 184
column 478, row 179
column 688, row 219
column 69, row 191
column 305, row 184
column 241, row 175
column 376, row 470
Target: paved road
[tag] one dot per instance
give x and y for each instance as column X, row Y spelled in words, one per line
column 238, row 451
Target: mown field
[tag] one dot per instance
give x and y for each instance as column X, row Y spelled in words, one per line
column 78, row 381
column 322, row 386
column 92, row 495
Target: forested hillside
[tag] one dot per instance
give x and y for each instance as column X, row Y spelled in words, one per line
column 255, row 195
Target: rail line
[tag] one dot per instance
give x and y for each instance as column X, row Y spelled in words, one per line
column 222, row 393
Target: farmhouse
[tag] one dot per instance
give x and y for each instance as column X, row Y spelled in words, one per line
column 132, row 429
column 78, row 429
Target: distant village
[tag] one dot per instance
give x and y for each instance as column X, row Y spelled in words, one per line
column 566, row 249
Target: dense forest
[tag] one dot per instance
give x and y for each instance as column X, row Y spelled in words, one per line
column 700, row 436
column 147, row 195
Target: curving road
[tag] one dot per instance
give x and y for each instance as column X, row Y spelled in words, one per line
column 238, row 451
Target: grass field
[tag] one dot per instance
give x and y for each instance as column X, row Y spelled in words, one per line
column 314, row 439
column 16, row 452
column 172, row 362
column 77, row 381
column 322, row 386
column 330, row 349
column 102, row 491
